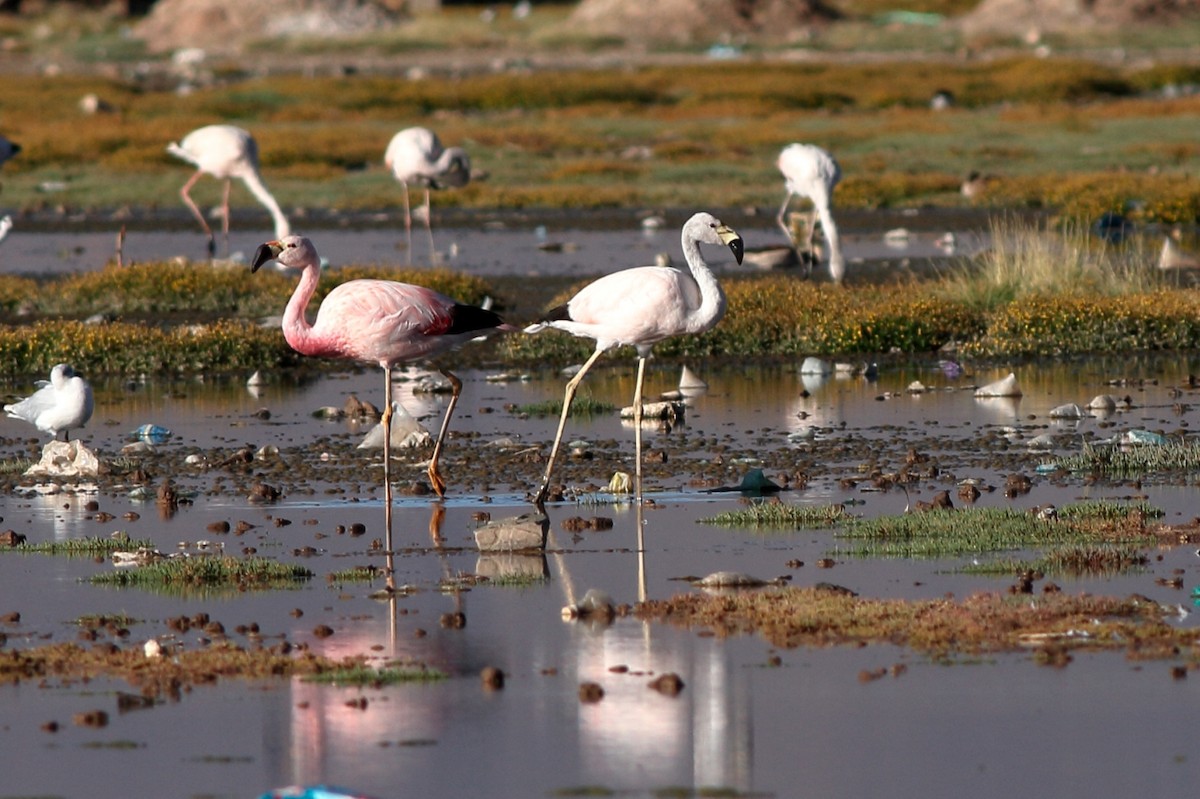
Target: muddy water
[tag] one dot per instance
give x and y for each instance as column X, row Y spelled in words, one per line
column 800, row 725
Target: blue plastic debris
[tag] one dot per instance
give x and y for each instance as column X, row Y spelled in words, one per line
column 151, row 434
column 312, row 792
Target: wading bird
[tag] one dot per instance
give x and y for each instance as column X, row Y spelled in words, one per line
column 225, row 152
column 415, row 155
column 640, row 307
column 377, row 321
column 62, row 404
column 809, row 171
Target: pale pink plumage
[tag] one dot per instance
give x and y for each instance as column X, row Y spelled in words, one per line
column 640, row 307
column 813, row 173
column 225, row 152
column 416, row 155
column 377, row 321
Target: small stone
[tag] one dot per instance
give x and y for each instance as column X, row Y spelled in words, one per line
column 492, row 677
column 669, row 684
column 590, row 693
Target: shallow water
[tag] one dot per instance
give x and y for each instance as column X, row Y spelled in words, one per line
column 806, row 725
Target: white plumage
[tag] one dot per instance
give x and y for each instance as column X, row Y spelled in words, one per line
column 62, row 404
column 809, row 171
column 416, row 155
column 225, row 152
column 640, row 307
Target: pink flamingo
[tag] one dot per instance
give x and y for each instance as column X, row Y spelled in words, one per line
column 641, row 307
column 225, row 152
column 811, row 172
column 378, row 321
column 416, row 155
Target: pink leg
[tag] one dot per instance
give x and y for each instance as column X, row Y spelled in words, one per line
column 187, row 199
column 435, row 477
column 429, row 229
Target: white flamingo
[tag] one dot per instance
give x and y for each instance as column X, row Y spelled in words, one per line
column 640, row 307
column 62, row 404
column 416, row 155
column 809, row 171
column 8, row 149
column 225, row 152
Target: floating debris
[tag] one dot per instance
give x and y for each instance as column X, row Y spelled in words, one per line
column 1140, row 437
column 753, row 482
column 670, row 410
column 1103, row 402
column 515, row 533
column 690, row 381
column 621, row 483
column 1068, row 411
column 151, row 434
column 407, row 432
column 312, row 792
column 65, row 459
column 595, row 604
column 815, row 366
column 728, row 579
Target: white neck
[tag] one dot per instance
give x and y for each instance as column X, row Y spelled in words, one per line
column 259, row 190
column 712, row 298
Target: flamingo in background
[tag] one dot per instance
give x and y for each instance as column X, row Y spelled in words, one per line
column 378, row 321
column 809, row 171
column 416, row 155
column 225, row 152
column 59, row 406
column 640, row 307
column 7, row 150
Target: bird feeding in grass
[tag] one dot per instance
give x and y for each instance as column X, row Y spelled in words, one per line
column 377, row 321
column 416, row 155
column 809, row 171
column 225, row 152
column 640, row 307
column 61, row 404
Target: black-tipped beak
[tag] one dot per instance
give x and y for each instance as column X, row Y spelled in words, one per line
column 732, row 240
column 267, row 252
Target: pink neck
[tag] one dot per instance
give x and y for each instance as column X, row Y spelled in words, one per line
column 296, row 329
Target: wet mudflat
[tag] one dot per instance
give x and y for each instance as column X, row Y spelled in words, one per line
column 751, row 719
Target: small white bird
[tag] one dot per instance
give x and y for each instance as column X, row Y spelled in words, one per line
column 60, row 405
column 641, row 307
column 225, row 152
column 416, row 155
column 811, row 172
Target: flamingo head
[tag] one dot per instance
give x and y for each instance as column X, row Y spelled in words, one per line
column 707, row 229
column 290, row 252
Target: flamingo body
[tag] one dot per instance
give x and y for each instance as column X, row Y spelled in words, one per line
column 376, row 321
column 225, row 152
column 640, row 307
column 808, row 171
column 416, row 156
column 62, row 404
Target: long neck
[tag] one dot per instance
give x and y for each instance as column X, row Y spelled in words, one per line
column 837, row 262
column 259, row 190
column 712, row 298
column 296, row 329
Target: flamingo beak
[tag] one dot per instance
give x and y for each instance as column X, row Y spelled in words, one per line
column 266, row 252
column 732, row 240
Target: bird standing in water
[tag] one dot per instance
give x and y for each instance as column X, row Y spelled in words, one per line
column 225, row 152
column 811, row 172
column 62, row 404
column 640, row 307
column 377, row 321
column 416, row 155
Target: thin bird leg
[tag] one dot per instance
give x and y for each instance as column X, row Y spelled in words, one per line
column 782, row 219
column 429, row 229
column 435, row 477
column 637, row 427
column 407, row 222
column 569, row 395
column 225, row 214
column 187, row 199
column 386, row 423
column 812, row 226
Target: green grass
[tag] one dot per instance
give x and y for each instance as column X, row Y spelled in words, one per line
column 207, row 572
column 582, row 406
column 363, row 675
column 92, row 545
column 780, row 516
column 1120, row 461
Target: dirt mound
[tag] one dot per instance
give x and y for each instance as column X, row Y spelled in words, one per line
column 1021, row 16
column 691, row 21
column 225, row 25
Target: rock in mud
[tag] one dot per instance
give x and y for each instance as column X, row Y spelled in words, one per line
column 514, row 533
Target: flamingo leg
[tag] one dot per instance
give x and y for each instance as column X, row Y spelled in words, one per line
column 386, row 422
column 407, row 221
column 429, row 228
column 637, row 427
column 435, row 477
column 568, row 396
column 782, row 219
column 185, row 193
column 225, row 214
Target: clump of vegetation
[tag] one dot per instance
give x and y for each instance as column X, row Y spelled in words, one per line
column 781, row 516
column 582, row 406
column 363, row 675
column 207, row 572
column 89, row 546
column 941, row 628
column 1134, row 460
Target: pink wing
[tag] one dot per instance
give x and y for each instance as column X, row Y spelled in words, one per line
column 384, row 321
